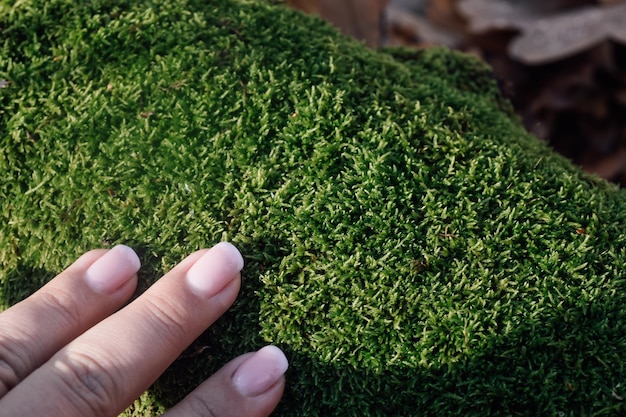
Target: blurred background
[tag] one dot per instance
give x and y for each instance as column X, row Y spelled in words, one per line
column 562, row 63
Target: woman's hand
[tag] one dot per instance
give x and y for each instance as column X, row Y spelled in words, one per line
column 65, row 351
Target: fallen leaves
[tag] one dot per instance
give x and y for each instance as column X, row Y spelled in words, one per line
column 561, row 62
column 547, row 37
column 567, row 76
column 487, row 15
column 360, row 19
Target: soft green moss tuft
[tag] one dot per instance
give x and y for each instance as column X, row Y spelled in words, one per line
column 408, row 245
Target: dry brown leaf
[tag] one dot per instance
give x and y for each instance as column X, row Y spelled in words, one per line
column 486, row 15
column 553, row 38
column 413, row 6
column 547, row 36
column 360, row 19
column 444, row 14
column 617, row 24
column 420, row 29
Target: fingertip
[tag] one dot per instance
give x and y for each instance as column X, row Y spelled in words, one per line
column 113, row 270
column 260, row 371
column 249, row 385
column 214, row 270
column 232, row 253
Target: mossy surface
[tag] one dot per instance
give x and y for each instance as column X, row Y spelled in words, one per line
column 408, row 245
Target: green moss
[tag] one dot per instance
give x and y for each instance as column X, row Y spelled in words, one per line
column 408, row 245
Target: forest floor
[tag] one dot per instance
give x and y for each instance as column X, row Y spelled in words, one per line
column 562, row 63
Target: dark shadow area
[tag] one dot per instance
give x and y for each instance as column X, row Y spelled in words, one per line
column 21, row 282
column 539, row 371
column 544, row 369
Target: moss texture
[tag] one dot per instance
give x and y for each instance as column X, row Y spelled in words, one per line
column 411, row 248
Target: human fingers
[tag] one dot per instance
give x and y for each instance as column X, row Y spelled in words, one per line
column 250, row 385
column 90, row 289
column 102, row 371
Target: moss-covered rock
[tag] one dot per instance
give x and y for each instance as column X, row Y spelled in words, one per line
column 411, row 248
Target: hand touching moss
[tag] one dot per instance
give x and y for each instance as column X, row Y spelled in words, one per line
column 65, row 351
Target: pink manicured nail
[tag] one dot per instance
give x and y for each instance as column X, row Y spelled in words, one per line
column 112, row 270
column 214, row 270
column 260, row 371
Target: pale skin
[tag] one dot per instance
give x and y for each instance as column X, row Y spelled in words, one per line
column 71, row 350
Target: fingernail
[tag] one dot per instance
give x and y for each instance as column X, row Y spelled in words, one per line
column 260, row 372
column 112, row 270
column 214, row 270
